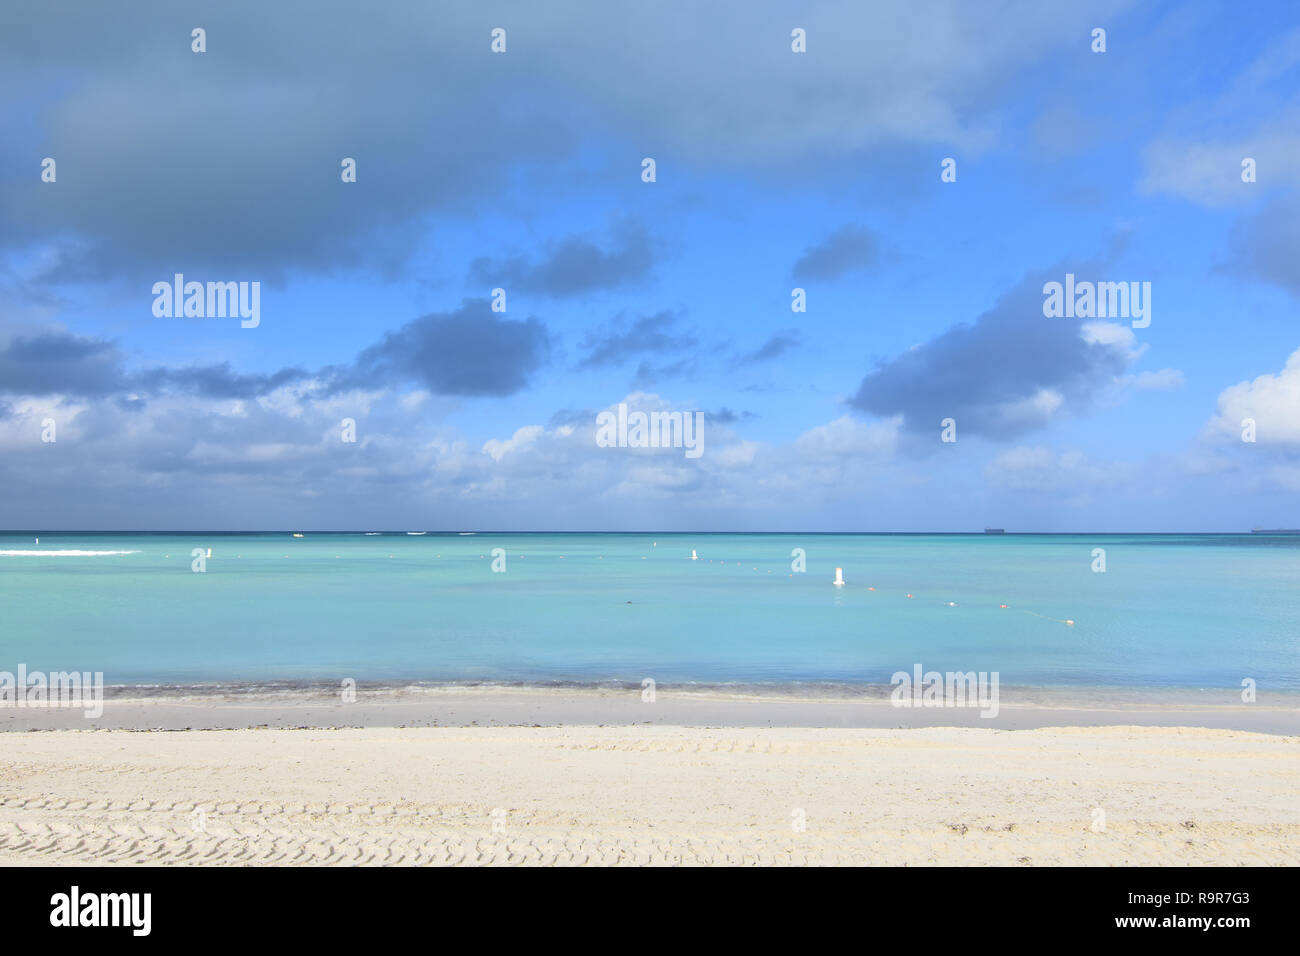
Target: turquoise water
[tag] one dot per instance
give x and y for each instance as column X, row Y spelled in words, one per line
column 1177, row 611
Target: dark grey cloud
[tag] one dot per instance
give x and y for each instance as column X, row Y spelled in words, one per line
column 571, row 416
column 472, row 351
column 574, row 265
column 649, row 374
column 214, row 381
column 1004, row 374
column 727, row 416
column 848, row 249
column 1265, row 246
column 228, row 161
column 60, row 363
column 621, row 341
column 787, row 340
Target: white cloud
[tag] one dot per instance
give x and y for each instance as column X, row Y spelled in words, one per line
column 1034, row 411
column 848, row 437
column 1108, row 333
column 522, row 438
column 1273, row 401
column 1210, row 173
column 1200, row 160
column 1041, row 470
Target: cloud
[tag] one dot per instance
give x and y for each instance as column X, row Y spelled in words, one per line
column 54, row 363
column 61, row 363
column 255, row 132
column 1256, row 115
column 1210, row 173
column 1199, row 159
column 648, row 374
column 1010, row 371
column 847, row 438
column 1068, row 475
column 1164, row 378
column 574, row 265
column 848, row 249
column 241, row 179
column 525, row 436
column 782, row 343
column 1272, row 401
column 571, row 416
column 214, row 381
column 726, row 416
column 648, row 335
column 471, row 351
column 1264, row 245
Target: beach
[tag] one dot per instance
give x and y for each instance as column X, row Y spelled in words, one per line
column 688, row 779
column 605, row 699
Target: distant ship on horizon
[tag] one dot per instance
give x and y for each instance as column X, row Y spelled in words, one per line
column 995, row 530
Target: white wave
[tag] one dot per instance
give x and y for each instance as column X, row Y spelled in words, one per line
column 59, row 554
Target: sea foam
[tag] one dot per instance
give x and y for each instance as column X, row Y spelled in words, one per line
column 59, row 554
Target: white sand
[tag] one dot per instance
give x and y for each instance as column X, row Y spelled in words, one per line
column 639, row 794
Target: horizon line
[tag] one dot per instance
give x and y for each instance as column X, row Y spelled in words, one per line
column 290, row 531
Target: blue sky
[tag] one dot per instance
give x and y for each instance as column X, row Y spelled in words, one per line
column 775, row 169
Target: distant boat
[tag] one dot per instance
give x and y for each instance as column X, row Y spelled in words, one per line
column 839, row 578
column 372, row 532
column 461, row 532
column 417, row 532
column 1275, row 530
column 995, row 530
column 297, row 534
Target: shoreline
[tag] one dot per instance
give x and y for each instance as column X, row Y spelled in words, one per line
column 800, row 689
column 236, row 706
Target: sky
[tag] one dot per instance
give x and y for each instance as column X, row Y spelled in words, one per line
column 774, row 169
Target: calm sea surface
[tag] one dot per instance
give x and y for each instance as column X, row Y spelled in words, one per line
column 1175, row 611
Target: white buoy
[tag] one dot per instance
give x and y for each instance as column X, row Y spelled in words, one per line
column 38, row 540
column 839, row 577
column 694, row 556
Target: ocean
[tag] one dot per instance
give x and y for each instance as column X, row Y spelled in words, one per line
column 1172, row 611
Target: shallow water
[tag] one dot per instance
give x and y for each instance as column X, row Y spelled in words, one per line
column 1175, row 611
